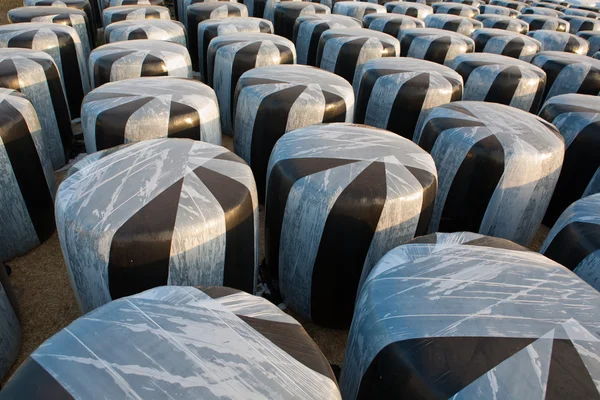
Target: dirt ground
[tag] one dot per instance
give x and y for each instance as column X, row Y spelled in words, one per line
column 6, row 5
column 47, row 303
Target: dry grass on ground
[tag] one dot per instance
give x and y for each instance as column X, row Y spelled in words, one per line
column 6, row 5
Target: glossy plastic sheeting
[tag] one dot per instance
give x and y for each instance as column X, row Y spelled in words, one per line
column 154, row 29
column 28, row 185
column 463, row 10
column 503, row 22
column 392, row 24
column 515, row 5
column 178, row 342
column 88, row 159
column 58, row 15
column 542, row 11
column 150, row 108
column 560, row 41
column 498, row 10
column 212, row 28
column 36, row 76
column 122, row 13
column 463, row 316
column 574, row 240
column 166, row 211
column 593, row 39
column 339, row 196
column 183, row 5
column 344, row 51
column 273, row 100
column 308, row 30
column 568, row 73
column 63, row 44
column 435, row 45
column 136, row 58
column 454, row 23
column 497, row 167
column 114, row 3
column 500, row 79
column 357, row 9
column 229, row 56
column 416, row 10
column 581, row 24
column 506, row 43
column 396, row 93
column 92, row 8
column 212, row 10
column 544, row 22
column 577, row 117
column 287, row 12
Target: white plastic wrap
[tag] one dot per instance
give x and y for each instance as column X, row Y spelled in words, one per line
column 177, row 343
column 451, row 301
